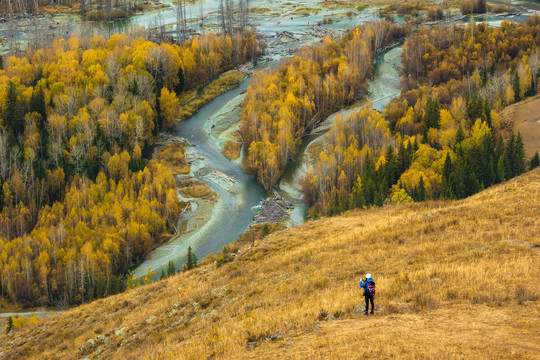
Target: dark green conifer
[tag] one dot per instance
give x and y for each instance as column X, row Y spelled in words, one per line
column 181, row 81
column 421, row 190
column 171, row 268
column 37, row 104
column 191, row 259
column 9, row 324
column 535, row 161
column 460, row 135
column 501, row 169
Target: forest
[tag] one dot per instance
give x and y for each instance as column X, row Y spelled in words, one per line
column 442, row 137
column 284, row 104
column 80, row 203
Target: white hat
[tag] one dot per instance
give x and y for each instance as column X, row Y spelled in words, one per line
column 368, row 276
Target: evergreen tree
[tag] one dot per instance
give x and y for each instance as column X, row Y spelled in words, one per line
column 501, row 170
column 191, row 259
column 37, row 104
column 181, row 81
column 535, row 162
column 421, row 192
column 460, row 135
column 487, row 113
column 390, row 167
column 510, row 156
column 499, row 147
column 9, row 324
column 447, row 172
column 382, row 193
column 403, row 160
column 171, row 268
column 475, row 108
column 487, row 163
column 447, row 169
column 162, row 276
column 459, row 173
column 13, row 116
column 471, row 183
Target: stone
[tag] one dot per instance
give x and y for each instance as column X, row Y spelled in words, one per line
column 120, row 332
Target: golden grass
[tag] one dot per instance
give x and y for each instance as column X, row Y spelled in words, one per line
column 192, row 101
column 232, row 149
column 198, row 190
column 455, row 280
column 172, row 156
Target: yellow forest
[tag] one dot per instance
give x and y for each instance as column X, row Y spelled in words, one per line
column 80, row 203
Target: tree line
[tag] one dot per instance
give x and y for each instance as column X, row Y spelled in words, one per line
column 442, row 137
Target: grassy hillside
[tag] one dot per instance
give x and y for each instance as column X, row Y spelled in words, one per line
column 454, row 280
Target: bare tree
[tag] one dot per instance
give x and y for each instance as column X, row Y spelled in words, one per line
column 201, row 12
column 221, row 12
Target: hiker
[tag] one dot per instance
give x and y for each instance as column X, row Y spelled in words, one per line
column 369, row 291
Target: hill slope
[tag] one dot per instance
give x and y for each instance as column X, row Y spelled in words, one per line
column 454, row 280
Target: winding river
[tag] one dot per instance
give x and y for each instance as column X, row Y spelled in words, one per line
column 240, row 195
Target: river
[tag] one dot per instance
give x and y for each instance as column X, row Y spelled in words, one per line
column 240, row 195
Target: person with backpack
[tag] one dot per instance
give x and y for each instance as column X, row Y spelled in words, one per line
column 369, row 291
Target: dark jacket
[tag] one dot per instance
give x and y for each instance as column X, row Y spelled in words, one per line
column 364, row 285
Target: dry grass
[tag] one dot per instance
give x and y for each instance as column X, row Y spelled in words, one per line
column 172, row 156
column 197, row 189
column 232, row 149
column 455, row 279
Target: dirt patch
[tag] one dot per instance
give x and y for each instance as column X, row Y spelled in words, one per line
column 525, row 118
